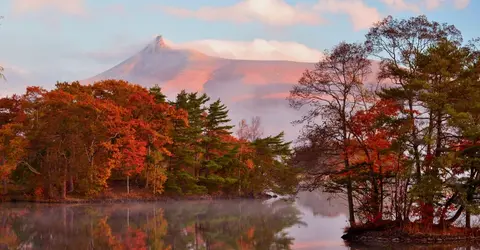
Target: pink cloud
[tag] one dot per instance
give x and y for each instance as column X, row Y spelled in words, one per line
column 280, row 13
column 361, row 15
column 272, row 12
column 281, row 95
column 73, row 7
column 418, row 5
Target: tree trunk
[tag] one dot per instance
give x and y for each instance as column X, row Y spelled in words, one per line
column 351, row 214
column 467, row 219
column 416, row 151
column 128, row 184
column 71, row 187
column 5, row 185
column 147, row 168
column 64, row 186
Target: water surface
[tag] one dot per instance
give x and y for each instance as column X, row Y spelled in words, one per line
column 311, row 222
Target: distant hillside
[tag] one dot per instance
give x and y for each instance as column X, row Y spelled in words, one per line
column 248, row 87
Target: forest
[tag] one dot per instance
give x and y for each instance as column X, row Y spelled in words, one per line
column 404, row 147
column 113, row 138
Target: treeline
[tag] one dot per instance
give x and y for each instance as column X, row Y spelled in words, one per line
column 408, row 147
column 79, row 140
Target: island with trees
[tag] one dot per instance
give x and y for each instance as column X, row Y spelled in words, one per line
column 404, row 153
column 113, row 140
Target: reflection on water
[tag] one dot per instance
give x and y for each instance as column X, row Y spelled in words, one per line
column 222, row 225
column 181, row 225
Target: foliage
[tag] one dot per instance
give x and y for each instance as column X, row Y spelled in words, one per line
column 82, row 140
column 408, row 150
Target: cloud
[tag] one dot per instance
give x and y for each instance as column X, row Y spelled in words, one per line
column 361, row 15
column 73, row 7
column 461, row 4
column 402, row 5
column 272, row 12
column 258, row 49
column 280, row 13
column 418, row 5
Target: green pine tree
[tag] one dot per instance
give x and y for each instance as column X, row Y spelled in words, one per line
column 187, row 148
column 216, row 127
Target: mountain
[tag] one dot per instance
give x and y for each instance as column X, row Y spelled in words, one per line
column 248, row 87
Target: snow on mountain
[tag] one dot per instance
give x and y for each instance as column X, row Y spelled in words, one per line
column 248, row 87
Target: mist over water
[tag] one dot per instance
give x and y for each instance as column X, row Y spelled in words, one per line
column 311, row 222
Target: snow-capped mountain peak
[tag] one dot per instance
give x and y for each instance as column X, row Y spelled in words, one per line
column 157, row 45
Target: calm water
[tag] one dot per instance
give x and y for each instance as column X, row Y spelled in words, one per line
column 311, row 222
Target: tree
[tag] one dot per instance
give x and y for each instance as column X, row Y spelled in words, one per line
column 187, row 147
column 216, row 127
column 333, row 92
column 84, row 139
column 399, row 43
column 250, row 132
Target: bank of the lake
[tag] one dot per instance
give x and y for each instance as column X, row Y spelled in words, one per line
column 126, row 198
column 411, row 233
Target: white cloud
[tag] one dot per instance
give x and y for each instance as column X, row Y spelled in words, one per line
column 258, row 49
column 361, row 15
column 272, row 12
column 74, row 7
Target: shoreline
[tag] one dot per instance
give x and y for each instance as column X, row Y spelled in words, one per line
column 131, row 199
column 398, row 235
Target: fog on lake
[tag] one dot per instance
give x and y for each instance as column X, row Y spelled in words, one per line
column 311, row 222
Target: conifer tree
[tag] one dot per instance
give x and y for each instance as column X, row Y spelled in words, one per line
column 216, row 127
column 187, row 148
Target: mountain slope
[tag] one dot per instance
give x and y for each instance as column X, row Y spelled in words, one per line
column 248, row 87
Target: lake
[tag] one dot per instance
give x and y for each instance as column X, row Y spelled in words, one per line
column 311, row 222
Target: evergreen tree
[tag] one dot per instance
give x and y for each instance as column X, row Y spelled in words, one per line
column 159, row 97
column 272, row 171
column 187, row 148
column 215, row 130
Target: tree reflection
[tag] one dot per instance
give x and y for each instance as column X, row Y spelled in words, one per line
column 179, row 225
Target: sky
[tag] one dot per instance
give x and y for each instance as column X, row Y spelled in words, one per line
column 42, row 41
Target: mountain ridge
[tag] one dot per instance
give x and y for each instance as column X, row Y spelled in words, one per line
column 248, row 87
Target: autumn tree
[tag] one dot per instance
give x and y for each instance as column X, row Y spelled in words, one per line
column 333, row 92
column 13, row 143
column 85, row 140
column 399, row 44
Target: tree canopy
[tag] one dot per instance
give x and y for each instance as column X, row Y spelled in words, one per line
column 115, row 137
column 404, row 148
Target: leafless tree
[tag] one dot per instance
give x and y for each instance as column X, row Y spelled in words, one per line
column 252, row 131
column 333, row 92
